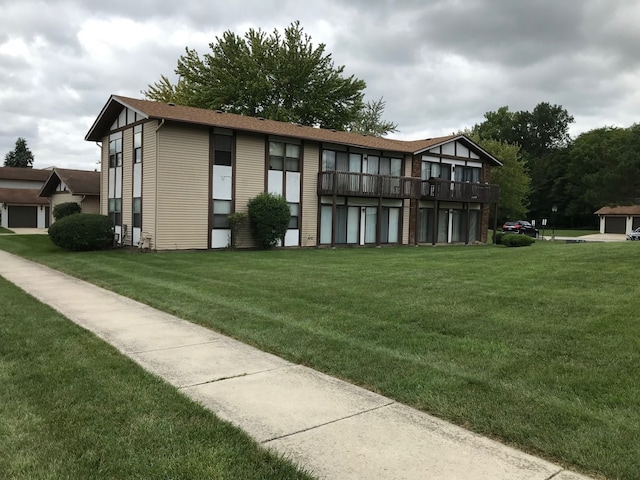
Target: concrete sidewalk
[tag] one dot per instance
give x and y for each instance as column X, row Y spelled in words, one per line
column 332, row 428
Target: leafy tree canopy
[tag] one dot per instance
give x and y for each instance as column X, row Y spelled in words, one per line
column 512, row 177
column 20, row 156
column 537, row 133
column 603, row 169
column 370, row 122
column 281, row 77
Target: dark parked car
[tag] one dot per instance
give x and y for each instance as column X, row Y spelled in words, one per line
column 635, row 235
column 521, row 227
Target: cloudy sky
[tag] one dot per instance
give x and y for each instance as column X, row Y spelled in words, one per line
column 439, row 64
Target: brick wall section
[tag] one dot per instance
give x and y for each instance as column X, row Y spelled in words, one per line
column 486, row 209
column 416, row 172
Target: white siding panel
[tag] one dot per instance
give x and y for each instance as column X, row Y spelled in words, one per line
column 135, row 238
column 137, row 180
column 118, row 185
column 293, row 187
column 275, row 182
column 291, row 238
column 461, row 150
column 474, row 155
column 220, row 238
column 222, row 182
column 448, row 148
column 112, row 182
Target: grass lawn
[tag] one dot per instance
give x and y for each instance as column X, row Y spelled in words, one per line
column 538, row 346
column 5, row 230
column 72, row 407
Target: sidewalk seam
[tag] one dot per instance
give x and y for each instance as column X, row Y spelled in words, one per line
column 328, row 423
column 555, row 474
column 232, row 377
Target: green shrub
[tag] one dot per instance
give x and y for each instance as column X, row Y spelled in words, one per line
column 65, row 209
column 236, row 221
column 82, row 231
column 515, row 240
column 499, row 236
column 269, row 217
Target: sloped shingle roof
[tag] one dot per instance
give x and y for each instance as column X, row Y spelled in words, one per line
column 78, row 182
column 217, row 118
column 28, row 174
column 21, row 196
column 619, row 210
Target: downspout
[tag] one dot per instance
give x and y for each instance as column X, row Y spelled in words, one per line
column 155, row 224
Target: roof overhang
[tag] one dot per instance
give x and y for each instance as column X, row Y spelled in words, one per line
column 107, row 116
column 470, row 144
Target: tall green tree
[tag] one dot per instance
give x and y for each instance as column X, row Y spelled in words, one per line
column 370, row 121
column 512, row 177
column 543, row 138
column 20, row 156
column 603, row 169
column 280, row 77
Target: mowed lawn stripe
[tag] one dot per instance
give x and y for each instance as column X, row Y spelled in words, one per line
column 537, row 346
column 73, row 407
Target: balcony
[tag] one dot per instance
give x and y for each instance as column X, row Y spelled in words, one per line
column 447, row 190
column 354, row 184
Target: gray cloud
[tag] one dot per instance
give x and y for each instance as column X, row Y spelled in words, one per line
column 440, row 64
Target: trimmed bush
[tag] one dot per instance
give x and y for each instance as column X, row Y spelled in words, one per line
column 65, row 209
column 499, row 236
column 269, row 217
column 82, row 231
column 515, row 240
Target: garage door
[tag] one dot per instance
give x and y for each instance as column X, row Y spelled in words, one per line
column 23, row 217
column 636, row 222
column 615, row 224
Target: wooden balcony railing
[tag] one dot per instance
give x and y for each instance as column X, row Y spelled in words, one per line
column 438, row 189
column 354, row 184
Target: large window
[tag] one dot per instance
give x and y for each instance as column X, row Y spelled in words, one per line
column 222, row 150
column 284, row 179
column 468, row 174
column 137, row 144
column 221, row 212
column 137, row 212
column 115, row 152
column 115, row 210
column 436, row 170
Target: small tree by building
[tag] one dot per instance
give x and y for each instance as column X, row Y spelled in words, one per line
column 20, row 156
column 269, row 217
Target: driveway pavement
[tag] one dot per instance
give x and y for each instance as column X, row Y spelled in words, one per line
column 334, row 429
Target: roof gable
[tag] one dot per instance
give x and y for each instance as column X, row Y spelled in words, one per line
column 78, row 182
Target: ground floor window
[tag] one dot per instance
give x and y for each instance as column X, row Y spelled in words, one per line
column 451, row 227
column 137, row 212
column 359, row 224
column 115, row 210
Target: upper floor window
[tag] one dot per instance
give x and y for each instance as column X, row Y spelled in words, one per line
column 384, row 165
column 436, row 170
column 284, row 156
column 468, row 174
column 137, row 144
column 222, row 150
column 333, row 161
column 115, row 152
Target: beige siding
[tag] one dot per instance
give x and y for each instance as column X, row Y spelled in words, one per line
column 127, row 179
column 91, row 205
column 104, row 176
column 249, row 177
column 149, row 181
column 183, row 188
column 406, row 203
column 62, row 197
column 310, row 195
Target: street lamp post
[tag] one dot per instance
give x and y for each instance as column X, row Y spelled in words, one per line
column 554, row 209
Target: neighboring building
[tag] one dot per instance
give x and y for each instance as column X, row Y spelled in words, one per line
column 171, row 174
column 623, row 219
column 20, row 205
column 80, row 186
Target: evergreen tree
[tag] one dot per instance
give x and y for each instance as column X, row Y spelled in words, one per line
column 20, row 156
